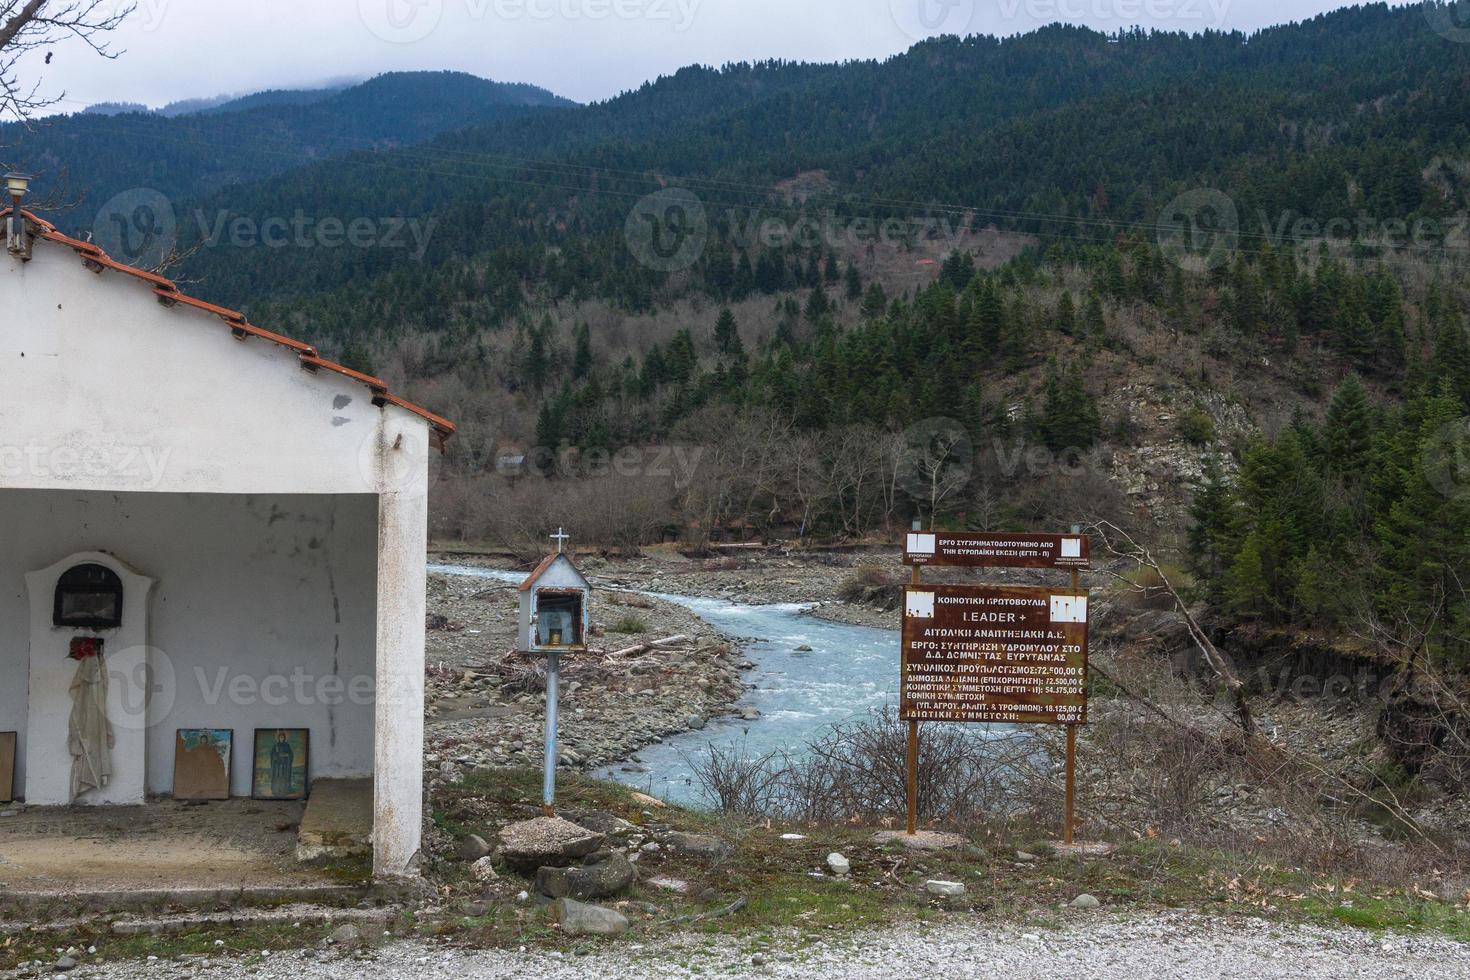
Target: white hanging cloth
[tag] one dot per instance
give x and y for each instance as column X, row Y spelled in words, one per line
column 89, row 735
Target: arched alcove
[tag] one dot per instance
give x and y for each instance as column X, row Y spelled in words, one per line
column 89, row 595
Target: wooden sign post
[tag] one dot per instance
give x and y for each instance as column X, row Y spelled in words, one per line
column 994, row 654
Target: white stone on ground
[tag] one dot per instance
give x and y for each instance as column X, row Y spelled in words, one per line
column 945, row 889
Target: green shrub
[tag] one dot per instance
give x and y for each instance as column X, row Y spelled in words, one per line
column 1196, row 427
column 630, row 624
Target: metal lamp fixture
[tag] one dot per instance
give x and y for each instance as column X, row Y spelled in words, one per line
column 16, row 185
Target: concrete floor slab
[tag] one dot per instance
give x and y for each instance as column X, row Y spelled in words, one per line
column 166, row 845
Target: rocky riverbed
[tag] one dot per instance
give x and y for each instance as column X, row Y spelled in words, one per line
column 486, row 708
column 479, row 720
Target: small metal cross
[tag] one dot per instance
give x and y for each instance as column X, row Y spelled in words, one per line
column 560, row 537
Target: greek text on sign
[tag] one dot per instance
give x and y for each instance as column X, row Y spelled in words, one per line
column 994, row 654
column 983, row 550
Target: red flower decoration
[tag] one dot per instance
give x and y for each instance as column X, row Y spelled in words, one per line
column 83, row 647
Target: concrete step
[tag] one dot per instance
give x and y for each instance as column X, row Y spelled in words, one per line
column 21, row 908
column 369, row 919
column 338, row 821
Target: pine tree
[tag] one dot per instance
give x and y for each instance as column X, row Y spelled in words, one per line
column 1348, row 432
column 875, row 302
column 854, row 283
column 1066, row 318
column 727, row 334
column 1094, row 323
column 817, row 305
column 537, row 367
column 582, row 359
column 744, row 283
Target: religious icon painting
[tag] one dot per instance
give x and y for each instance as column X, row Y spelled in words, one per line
column 202, row 763
column 7, row 766
column 280, row 764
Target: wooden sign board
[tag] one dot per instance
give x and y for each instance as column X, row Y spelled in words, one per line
column 7, row 766
column 983, row 550
column 1014, row 655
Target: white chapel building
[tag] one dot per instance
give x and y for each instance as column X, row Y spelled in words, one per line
column 240, row 523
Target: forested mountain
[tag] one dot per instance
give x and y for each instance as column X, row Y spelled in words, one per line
column 1210, row 285
column 183, row 156
column 1062, row 131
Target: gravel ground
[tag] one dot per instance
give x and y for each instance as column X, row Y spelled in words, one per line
column 1165, row 946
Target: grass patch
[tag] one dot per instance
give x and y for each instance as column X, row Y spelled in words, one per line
column 215, row 942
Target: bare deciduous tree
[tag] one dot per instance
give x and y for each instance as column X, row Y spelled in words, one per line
column 30, row 27
column 1121, row 544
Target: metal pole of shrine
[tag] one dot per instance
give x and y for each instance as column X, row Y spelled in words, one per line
column 548, row 786
column 553, row 688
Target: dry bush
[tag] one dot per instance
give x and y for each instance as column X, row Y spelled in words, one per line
column 857, row 772
column 871, row 585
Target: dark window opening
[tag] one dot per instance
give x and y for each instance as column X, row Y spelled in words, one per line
column 558, row 620
column 89, row 597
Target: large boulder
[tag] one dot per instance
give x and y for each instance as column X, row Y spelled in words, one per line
column 603, row 875
column 546, row 842
column 577, row 919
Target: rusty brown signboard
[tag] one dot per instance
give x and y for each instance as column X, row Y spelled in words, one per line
column 994, row 654
column 985, row 550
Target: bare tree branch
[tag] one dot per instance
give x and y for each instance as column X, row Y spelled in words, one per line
column 30, row 26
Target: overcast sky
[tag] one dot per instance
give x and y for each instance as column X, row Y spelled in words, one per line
column 582, row 49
